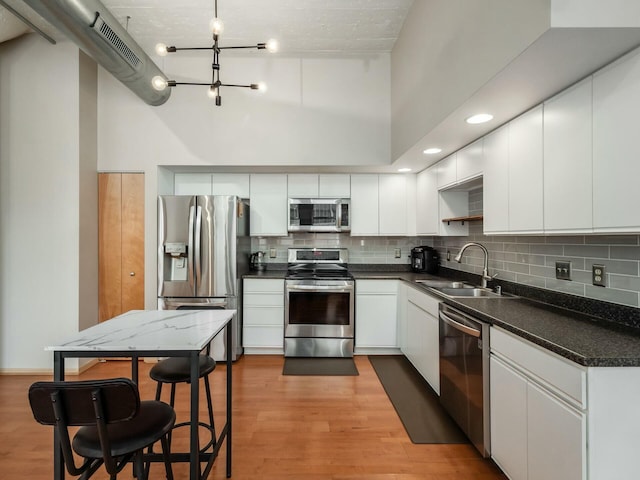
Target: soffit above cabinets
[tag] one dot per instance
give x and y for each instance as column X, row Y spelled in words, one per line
column 555, row 61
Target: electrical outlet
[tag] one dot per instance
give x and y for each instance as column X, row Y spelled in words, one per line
column 563, row 270
column 597, row 275
column 398, row 253
column 272, row 253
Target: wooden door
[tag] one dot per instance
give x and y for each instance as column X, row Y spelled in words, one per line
column 121, row 243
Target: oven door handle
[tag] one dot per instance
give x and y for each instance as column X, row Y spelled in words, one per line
column 307, row 288
column 459, row 326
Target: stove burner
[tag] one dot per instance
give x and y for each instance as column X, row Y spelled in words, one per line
column 318, row 264
column 316, row 271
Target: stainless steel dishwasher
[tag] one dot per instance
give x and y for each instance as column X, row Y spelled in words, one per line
column 464, row 374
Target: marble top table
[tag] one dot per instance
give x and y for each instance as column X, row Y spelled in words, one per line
column 159, row 333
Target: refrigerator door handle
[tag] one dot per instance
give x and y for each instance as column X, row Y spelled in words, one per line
column 192, row 211
column 197, row 240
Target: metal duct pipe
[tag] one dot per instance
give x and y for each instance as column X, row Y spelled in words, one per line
column 91, row 26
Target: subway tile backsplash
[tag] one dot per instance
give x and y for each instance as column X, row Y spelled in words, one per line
column 362, row 250
column 528, row 260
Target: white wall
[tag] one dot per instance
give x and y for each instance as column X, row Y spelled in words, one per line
column 39, row 199
column 317, row 111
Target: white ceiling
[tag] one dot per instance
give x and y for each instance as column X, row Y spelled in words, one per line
column 306, row 26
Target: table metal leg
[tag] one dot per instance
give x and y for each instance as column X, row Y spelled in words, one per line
column 58, row 376
column 230, row 353
column 194, row 446
column 134, row 369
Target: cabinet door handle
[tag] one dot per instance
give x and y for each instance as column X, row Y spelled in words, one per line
column 132, row 274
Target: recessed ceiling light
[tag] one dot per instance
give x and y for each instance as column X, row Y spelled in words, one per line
column 432, row 151
column 479, row 118
column 404, row 170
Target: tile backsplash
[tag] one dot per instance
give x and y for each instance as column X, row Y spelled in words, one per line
column 381, row 250
column 528, row 260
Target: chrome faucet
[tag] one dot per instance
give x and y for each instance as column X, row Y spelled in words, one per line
column 485, row 270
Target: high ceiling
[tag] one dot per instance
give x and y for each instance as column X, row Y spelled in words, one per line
column 309, row 26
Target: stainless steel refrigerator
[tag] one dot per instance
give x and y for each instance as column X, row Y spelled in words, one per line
column 203, row 251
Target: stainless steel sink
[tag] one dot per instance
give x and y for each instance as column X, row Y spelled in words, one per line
column 444, row 284
column 472, row 292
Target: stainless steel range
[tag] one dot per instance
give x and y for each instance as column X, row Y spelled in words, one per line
column 319, row 303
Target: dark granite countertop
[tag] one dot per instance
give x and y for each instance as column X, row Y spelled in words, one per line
column 589, row 340
column 586, row 340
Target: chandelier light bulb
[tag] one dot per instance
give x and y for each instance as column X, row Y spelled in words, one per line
column 161, row 49
column 262, row 87
column 216, row 26
column 212, row 92
column 159, row 83
column 272, row 45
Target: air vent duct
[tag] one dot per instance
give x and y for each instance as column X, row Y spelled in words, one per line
column 91, row 26
column 111, row 37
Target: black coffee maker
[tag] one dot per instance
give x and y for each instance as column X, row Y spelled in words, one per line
column 424, row 260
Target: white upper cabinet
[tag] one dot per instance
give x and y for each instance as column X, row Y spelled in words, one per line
column 447, row 171
column 383, row 205
column 192, row 184
column 334, row 186
column 568, row 175
column 231, row 184
column 526, row 173
column 616, row 149
column 392, row 204
column 364, row 205
column 469, row 161
column 496, row 181
column 269, row 205
column 314, row 186
column 211, row 184
column 427, row 202
column 302, row 185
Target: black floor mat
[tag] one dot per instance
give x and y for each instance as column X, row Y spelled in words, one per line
column 319, row 366
column 417, row 404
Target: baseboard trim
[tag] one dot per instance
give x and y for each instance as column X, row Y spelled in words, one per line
column 40, row 372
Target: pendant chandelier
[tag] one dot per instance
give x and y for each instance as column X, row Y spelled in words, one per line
column 217, row 27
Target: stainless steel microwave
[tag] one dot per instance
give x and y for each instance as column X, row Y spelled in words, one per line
column 319, row 215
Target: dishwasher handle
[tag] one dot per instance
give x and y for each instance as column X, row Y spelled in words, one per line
column 459, row 326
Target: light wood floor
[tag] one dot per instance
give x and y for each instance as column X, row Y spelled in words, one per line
column 284, row 427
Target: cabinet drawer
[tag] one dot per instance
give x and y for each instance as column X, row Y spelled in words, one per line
column 377, row 286
column 548, row 369
column 252, row 285
column 263, row 300
column 426, row 302
column 263, row 337
column 263, row 316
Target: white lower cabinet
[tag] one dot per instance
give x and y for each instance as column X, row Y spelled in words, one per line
column 263, row 316
column 376, row 316
column 508, row 419
column 422, row 336
column 556, row 437
column 538, row 427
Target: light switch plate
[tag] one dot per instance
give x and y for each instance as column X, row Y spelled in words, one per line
column 398, row 253
column 563, row 270
column 272, row 253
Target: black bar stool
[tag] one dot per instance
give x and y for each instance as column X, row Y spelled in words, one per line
column 176, row 370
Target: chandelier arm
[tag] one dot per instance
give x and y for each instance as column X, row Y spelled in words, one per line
column 175, row 49
column 247, row 46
